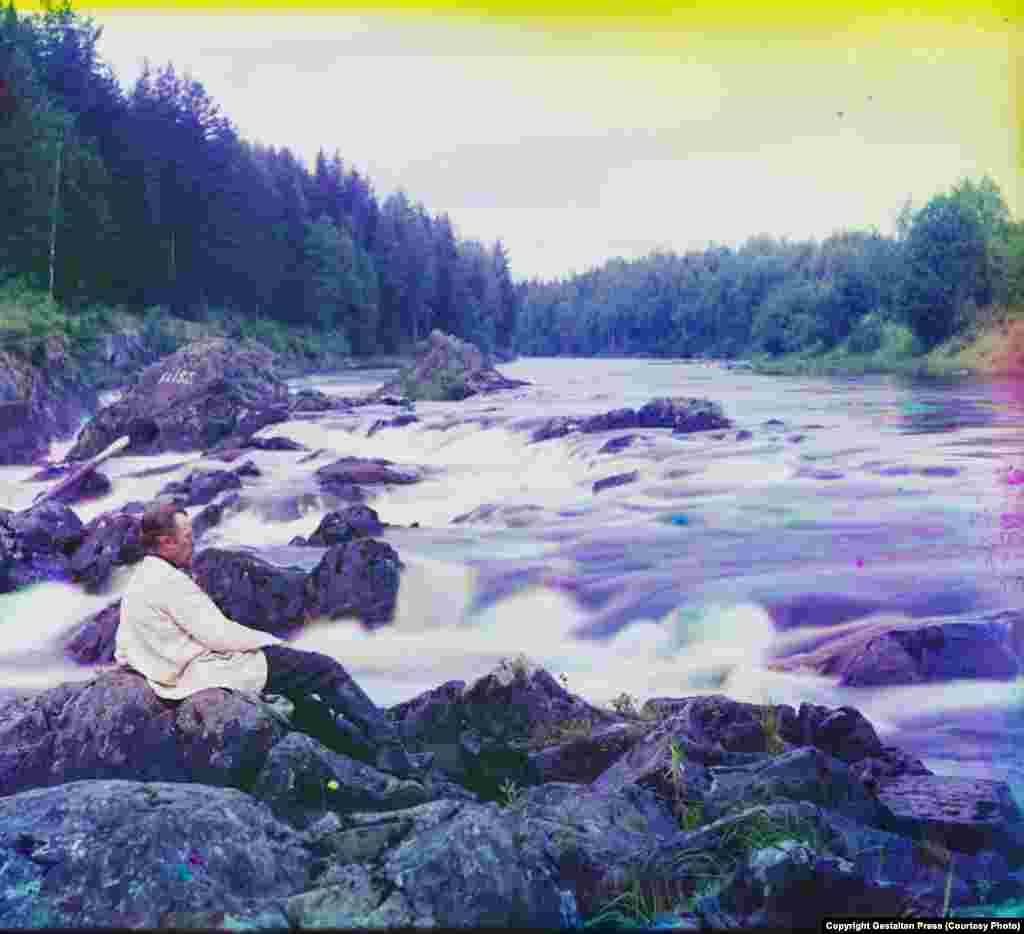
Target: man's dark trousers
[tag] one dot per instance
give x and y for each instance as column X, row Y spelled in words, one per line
column 344, row 719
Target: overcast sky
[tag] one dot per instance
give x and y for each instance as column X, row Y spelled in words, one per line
column 574, row 147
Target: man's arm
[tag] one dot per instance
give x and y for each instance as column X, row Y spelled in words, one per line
column 199, row 616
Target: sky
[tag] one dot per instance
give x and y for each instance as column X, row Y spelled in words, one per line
column 575, row 141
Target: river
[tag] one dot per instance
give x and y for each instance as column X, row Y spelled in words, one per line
column 723, row 554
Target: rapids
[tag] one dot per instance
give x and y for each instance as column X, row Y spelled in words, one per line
column 723, row 554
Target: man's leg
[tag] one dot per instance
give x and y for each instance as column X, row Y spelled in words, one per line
column 345, row 720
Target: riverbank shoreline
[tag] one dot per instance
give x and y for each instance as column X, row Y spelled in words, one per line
column 995, row 352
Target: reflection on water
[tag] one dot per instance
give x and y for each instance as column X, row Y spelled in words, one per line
column 876, row 498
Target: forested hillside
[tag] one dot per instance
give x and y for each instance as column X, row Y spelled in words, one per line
column 148, row 198
column 955, row 265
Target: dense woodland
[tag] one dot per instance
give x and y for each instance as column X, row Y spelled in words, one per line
column 955, row 263
column 148, row 200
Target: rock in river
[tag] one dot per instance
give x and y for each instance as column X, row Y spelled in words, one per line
column 204, row 393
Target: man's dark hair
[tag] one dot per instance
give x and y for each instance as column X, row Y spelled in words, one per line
column 157, row 523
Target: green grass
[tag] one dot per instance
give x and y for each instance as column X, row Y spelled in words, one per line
column 30, row 321
column 900, row 353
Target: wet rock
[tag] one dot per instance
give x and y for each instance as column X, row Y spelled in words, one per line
column 36, row 544
column 275, row 443
column 232, row 445
column 744, row 435
column 349, row 471
column 226, row 454
column 617, row 444
column 203, row 486
column 774, row 423
column 447, row 369
column 338, row 528
column 359, row 578
column 207, row 391
column 94, row 640
column 248, row 469
column 887, row 654
column 620, row 479
column 681, row 415
column 933, row 653
column 313, row 400
column 110, row 540
column 399, row 421
column 252, row 591
column 214, row 514
column 556, row 428
column 92, row 486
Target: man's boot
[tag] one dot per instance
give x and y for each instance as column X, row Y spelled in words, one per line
column 370, row 739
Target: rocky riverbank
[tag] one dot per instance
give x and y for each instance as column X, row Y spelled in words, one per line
column 527, row 807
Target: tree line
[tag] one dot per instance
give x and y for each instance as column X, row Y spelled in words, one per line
column 951, row 265
column 150, row 198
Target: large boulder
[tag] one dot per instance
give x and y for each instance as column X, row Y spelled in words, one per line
column 40, row 401
column 313, row 400
column 447, row 369
column 252, row 591
column 347, row 475
column 681, row 415
column 109, row 540
column 338, row 528
column 36, row 544
column 92, row 642
column 115, row 726
column 212, row 515
column 888, row 653
column 195, row 398
column 358, row 578
column 121, row 854
column 202, row 486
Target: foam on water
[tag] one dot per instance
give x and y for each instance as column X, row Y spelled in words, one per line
column 604, row 624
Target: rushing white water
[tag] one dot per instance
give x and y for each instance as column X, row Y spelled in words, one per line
column 888, row 507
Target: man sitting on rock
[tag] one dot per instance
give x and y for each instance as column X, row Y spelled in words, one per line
column 172, row 633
